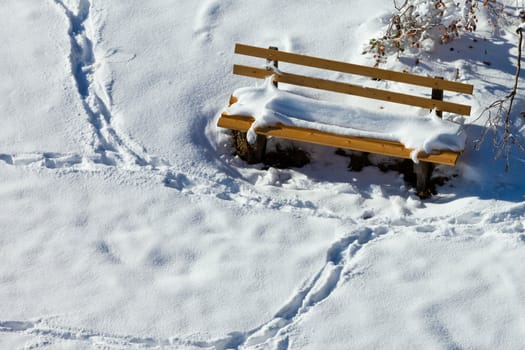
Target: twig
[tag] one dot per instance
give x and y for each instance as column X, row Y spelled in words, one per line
column 503, row 116
column 400, row 7
column 516, row 77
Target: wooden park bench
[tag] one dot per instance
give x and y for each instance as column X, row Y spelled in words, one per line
column 435, row 86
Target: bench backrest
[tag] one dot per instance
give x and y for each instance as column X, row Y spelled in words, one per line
column 437, row 85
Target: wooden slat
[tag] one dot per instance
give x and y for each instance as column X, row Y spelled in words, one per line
column 344, row 67
column 387, row 148
column 351, row 89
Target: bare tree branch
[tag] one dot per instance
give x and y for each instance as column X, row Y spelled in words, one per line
column 499, row 115
column 400, row 7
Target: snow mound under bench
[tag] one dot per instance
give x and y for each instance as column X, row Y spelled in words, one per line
column 271, row 106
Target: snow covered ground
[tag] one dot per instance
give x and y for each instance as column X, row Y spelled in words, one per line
column 126, row 223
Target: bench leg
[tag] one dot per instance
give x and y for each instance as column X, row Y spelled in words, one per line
column 423, row 171
column 250, row 153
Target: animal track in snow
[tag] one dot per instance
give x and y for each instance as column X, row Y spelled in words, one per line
column 90, row 73
column 47, row 160
column 66, row 162
column 208, row 17
column 53, row 160
column 274, row 333
column 48, row 334
column 15, row 326
column 425, row 228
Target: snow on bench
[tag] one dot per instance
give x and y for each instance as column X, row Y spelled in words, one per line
column 270, row 107
column 265, row 110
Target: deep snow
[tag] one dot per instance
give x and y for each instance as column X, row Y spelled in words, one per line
column 127, row 223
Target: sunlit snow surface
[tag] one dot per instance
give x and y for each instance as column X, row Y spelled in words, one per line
column 126, row 222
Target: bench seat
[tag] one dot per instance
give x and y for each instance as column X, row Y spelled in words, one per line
column 269, row 111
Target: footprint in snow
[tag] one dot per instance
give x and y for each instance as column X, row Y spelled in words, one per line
column 48, row 160
column 208, row 17
column 426, row 228
column 15, row 326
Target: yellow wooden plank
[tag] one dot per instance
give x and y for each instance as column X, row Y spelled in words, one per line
column 383, row 147
column 350, row 68
column 351, row 89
